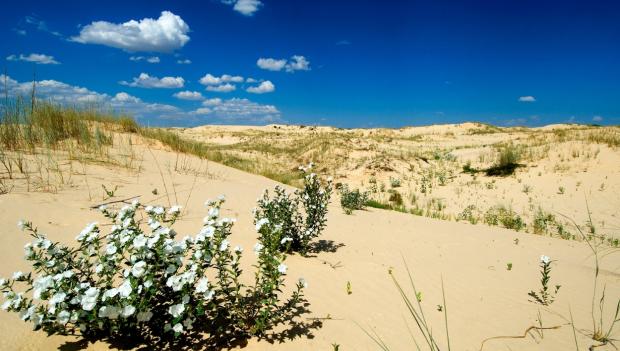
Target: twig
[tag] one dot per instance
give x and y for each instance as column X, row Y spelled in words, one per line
column 115, row 201
column 527, row 331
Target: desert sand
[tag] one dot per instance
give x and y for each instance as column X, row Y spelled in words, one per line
column 483, row 298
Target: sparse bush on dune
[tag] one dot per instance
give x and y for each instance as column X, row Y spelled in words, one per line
column 507, row 161
column 507, row 217
column 351, row 200
column 296, row 229
column 147, row 283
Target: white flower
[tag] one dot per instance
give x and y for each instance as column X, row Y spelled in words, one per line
column 84, row 234
column 238, row 249
column 144, row 316
column 206, row 232
column 285, row 240
column 214, row 212
column 178, row 328
column 17, row 275
column 303, row 282
column 258, row 247
column 63, row 317
column 260, row 223
column 125, row 289
column 21, row 224
column 176, row 310
column 139, row 241
column 110, row 249
column 202, row 285
column 57, row 298
column 41, row 284
column 138, row 269
column 174, row 209
column 282, row 268
column 158, row 210
column 545, row 259
column 109, row 293
column 89, row 299
column 221, row 198
column 110, row 312
column 224, row 245
column 128, row 311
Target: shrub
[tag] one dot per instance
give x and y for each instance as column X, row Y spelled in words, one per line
column 507, row 217
column 351, row 200
column 396, row 198
column 545, row 295
column 395, row 182
column 507, row 161
column 291, row 228
column 136, row 282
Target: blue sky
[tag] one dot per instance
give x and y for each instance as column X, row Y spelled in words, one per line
column 341, row 63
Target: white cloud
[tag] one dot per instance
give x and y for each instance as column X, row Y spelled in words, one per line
column 212, row 102
column 165, row 34
column 201, row 111
column 184, row 62
column 124, row 97
column 527, row 98
column 271, row 64
column 39, row 59
column 235, row 110
column 247, row 7
column 189, row 95
column 244, row 7
column 146, row 81
column 152, row 59
column 264, row 87
column 597, row 119
column 210, row 79
column 251, row 80
column 296, row 63
column 223, row 88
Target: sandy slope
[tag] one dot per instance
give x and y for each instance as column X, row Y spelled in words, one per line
column 484, row 299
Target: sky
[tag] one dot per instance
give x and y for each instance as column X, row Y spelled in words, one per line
column 323, row 62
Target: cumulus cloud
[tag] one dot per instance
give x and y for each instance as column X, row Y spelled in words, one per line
column 244, row 7
column 210, row 79
column 296, row 63
column 152, row 59
column 39, row 59
column 262, row 88
column 235, row 110
column 189, row 95
column 271, row 64
column 527, row 98
column 201, row 111
column 223, row 88
column 184, row 62
column 146, row 81
column 165, row 34
column 212, row 102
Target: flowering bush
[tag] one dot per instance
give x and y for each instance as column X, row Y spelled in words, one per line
column 352, row 199
column 291, row 229
column 545, row 296
column 132, row 281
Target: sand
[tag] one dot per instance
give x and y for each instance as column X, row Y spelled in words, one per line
column 483, row 298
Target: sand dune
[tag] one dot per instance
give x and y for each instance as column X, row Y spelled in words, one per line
column 483, row 298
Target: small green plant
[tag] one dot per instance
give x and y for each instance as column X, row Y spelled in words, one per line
column 527, row 189
column 561, row 190
column 507, row 161
column 395, row 182
column 351, row 200
column 396, row 198
column 109, row 193
column 505, row 216
column 282, row 211
column 349, row 289
column 545, row 295
column 509, row 266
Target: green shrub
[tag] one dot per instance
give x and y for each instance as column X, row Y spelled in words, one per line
column 351, row 200
column 505, row 216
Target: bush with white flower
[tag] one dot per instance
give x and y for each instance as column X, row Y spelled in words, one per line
column 289, row 226
column 137, row 279
column 545, row 295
